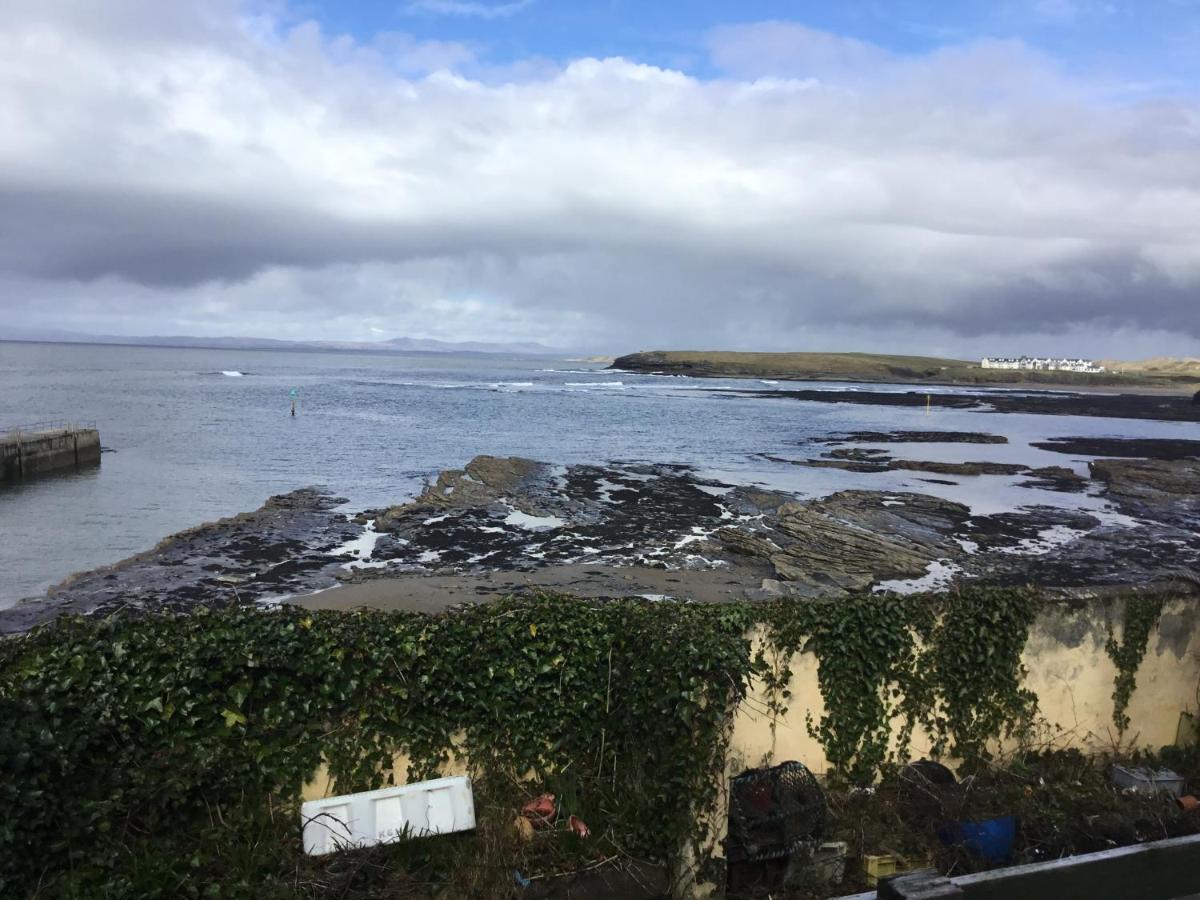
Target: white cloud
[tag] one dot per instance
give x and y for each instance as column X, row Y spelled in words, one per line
column 265, row 178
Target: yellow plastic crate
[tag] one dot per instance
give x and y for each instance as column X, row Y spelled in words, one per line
column 881, row 865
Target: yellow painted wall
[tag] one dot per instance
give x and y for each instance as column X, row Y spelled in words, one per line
column 1067, row 668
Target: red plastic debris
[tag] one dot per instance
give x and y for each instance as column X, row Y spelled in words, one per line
column 541, row 810
column 578, row 826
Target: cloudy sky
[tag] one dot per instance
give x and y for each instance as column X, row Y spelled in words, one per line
column 905, row 175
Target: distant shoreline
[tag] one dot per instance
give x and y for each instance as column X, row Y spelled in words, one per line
column 377, row 352
column 284, row 347
column 886, row 369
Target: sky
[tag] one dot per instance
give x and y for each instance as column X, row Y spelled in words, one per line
column 912, row 176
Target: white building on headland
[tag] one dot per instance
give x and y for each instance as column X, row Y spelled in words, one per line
column 1042, row 363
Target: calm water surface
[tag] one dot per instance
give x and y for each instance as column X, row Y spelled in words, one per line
column 195, row 435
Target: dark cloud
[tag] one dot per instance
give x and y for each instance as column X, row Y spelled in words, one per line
column 209, row 166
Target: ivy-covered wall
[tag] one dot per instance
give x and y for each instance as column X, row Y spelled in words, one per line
column 1118, row 671
column 121, row 736
column 1001, row 667
column 158, row 755
column 849, row 689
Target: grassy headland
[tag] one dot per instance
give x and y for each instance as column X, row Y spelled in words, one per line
column 885, row 368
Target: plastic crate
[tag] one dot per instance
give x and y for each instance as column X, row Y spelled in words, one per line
column 1148, row 781
column 829, row 862
column 881, row 865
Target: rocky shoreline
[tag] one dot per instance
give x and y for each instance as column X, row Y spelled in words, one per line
column 501, row 525
column 286, row 546
column 1158, row 407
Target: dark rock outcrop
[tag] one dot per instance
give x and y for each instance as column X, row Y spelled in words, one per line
column 850, row 540
column 1056, row 478
column 915, row 437
column 286, row 546
column 1148, row 485
column 869, row 460
column 516, row 513
column 483, row 481
column 1133, row 448
column 1162, row 407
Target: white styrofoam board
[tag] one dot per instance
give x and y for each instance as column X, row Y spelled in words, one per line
column 420, row 809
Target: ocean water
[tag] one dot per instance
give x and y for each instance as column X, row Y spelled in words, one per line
column 192, row 435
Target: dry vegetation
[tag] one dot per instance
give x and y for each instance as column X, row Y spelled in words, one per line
column 1158, row 365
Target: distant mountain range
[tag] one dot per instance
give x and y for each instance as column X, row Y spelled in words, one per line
column 392, row 345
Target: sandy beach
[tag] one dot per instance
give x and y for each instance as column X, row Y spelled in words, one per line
column 438, row 593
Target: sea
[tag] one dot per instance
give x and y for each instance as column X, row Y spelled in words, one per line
column 192, row 435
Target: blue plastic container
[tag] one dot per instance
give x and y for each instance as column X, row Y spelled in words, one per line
column 991, row 839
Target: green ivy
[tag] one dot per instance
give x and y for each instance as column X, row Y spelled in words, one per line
column 949, row 662
column 119, row 732
column 973, row 672
column 119, row 729
column 1141, row 617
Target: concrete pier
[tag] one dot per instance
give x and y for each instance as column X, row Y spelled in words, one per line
column 47, row 447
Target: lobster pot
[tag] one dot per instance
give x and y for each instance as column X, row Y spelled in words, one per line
column 773, row 812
